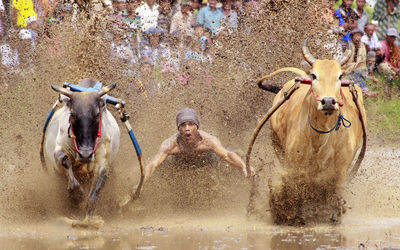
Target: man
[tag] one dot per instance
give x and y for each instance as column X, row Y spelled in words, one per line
column 357, row 65
column 211, row 17
column 387, row 14
column 391, row 64
column 190, row 144
column 148, row 13
column 347, row 19
column 363, row 16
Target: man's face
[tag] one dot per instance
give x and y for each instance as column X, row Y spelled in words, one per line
column 185, row 9
column 212, row 3
column 348, row 3
column 360, row 4
column 150, row 2
column 390, row 39
column 369, row 30
column 165, row 6
column 188, row 131
column 357, row 39
column 154, row 40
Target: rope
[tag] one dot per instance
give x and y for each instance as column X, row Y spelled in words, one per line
column 340, row 121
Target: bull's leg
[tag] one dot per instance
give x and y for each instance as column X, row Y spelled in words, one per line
column 74, row 187
column 95, row 190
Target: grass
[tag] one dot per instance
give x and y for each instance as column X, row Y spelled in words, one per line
column 383, row 112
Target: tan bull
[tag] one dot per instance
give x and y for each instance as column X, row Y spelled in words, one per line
column 316, row 134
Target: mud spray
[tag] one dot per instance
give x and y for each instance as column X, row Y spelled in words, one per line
column 229, row 108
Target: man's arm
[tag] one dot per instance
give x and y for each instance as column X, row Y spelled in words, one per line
column 230, row 157
column 161, row 155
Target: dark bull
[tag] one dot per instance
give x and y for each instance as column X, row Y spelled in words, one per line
column 83, row 138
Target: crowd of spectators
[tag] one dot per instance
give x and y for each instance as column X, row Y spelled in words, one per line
column 159, row 42
column 173, row 41
column 374, row 39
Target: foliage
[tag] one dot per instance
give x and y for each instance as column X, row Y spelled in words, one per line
column 383, row 112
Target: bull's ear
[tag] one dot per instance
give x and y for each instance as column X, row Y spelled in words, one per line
column 62, row 90
column 106, row 89
column 102, row 101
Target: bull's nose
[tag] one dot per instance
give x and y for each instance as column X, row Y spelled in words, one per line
column 328, row 103
column 85, row 155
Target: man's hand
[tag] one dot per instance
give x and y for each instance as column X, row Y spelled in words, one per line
column 252, row 171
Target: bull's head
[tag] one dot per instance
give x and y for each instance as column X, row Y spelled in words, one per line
column 326, row 78
column 86, row 110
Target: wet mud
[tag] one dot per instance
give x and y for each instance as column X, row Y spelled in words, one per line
column 202, row 207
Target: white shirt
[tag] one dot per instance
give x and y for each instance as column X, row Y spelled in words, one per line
column 372, row 43
column 178, row 22
column 148, row 16
column 1, row 6
column 9, row 56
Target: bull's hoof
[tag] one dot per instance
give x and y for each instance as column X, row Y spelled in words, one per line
column 75, row 190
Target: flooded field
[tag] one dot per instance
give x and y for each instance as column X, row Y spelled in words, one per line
column 371, row 222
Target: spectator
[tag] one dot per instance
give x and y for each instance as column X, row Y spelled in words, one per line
column 148, row 13
column 154, row 50
column 357, row 65
column 372, row 43
column 363, row 16
column 9, row 55
column 181, row 23
column 121, row 47
column 347, row 19
column 132, row 20
column 2, row 16
column 23, row 9
column 145, row 83
column 165, row 16
column 387, row 14
column 391, row 64
column 119, row 7
column 370, row 38
column 230, row 16
column 211, row 17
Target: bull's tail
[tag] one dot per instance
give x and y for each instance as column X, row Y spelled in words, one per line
column 276, row 88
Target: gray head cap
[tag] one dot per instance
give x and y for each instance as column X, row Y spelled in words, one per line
column 187, row 115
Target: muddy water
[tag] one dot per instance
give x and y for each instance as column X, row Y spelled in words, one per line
column 371, row 221
column 198, row 209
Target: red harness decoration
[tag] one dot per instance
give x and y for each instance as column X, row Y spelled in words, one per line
column 97, row 140
column 307, row 80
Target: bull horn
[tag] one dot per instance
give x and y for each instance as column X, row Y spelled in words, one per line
column 306, row 53
column 106, row 89
column 346, row 56
column 62, row 90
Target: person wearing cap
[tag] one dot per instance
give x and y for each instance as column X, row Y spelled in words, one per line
column 190, row 143
column 153, row 47
column 387, row 14
column 391, row 64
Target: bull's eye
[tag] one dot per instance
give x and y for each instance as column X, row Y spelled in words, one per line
column 340, row 77
column 313, row 76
